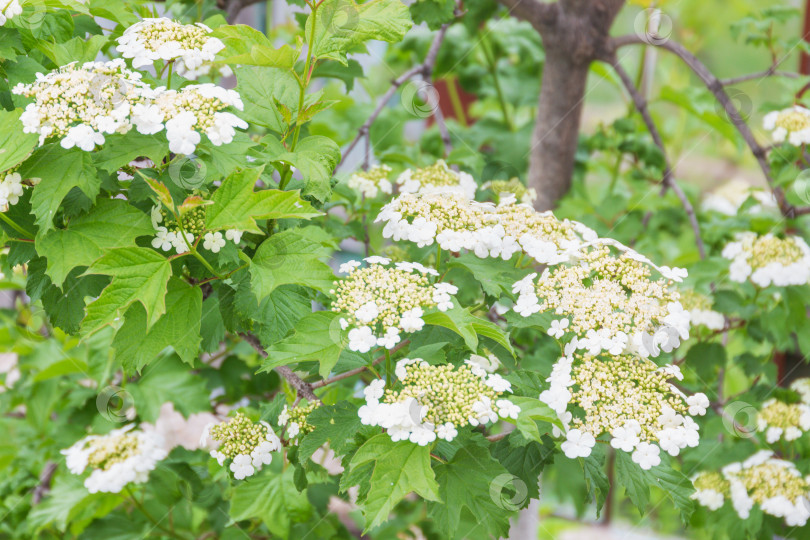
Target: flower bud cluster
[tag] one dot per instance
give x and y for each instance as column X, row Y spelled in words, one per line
column 296, row 419
column 380, row 301
column 436, row 401
column 609, row 302
column 627, row 397
column 512, row 189
column 189, row 46
column 767, row 260
column 169, row 235
column 121, row 457
column 80, row 103
column 780, row 420
column 437, row 178
column 775, row 485
column 700, row 310
column 792, row 124
column 246, row 444
column 372, row 182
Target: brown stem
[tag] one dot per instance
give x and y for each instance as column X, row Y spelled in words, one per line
column 356, row 371
column 304, row 389
column 668, row 180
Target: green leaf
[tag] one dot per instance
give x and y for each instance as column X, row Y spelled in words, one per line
column 265, row 91
column 677, row 487
column 473, row 484
column 316, row 157
column 60, row 171
column 400, row 468
column 249, row 47
column 111, row 224
column 139, row 275
column 275, row 316
column 287, row 258
column 317, row 338
column 77, row 49
column 468, row 326
column 334, row 424
column 168, row 379
column 120, row 150
column 236, row 205
column 178, row 328
column 459, row 321
column 533, row 410
column 341, row 25
column 273, row 498
column 495, row 275
column 15, row 145
column 634, row 480
column 597, row 481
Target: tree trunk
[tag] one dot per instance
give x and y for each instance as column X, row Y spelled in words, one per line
column 575, row 33
column 554, row 141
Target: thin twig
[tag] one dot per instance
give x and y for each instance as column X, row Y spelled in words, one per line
column 356, row 371
column 304, row 389
column 715, row 86
column 668, row 180
column 425, row 70
column 770, row 72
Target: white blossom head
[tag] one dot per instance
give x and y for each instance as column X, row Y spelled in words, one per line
column 768, row 260
column 246, row 444
column 437, row 178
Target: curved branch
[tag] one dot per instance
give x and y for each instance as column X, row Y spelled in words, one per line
column 425, row 69
column 304, row 389
column 715, row 86
column 770, row 72
column 668, row 180
column 356, row 371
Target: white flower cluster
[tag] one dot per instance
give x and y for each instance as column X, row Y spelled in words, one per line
column 11, row 188
column 540, row 235
column 246, row 444
column 506, row 190
column 121, row 457
column 729, row 198
column 169, row 236
column 296, row 419
column 802, row 387
column 372, row 182
column 151, row 40
column 767, row 260
column 780, row 420
column 626, row 397
column 436, row 401
column 792, row 124
column 82, row 103
column 9, row 9
column 609, row 303
column 775, row 485
column 700, row 310
column 381, row 302
column 437, row 178
column 188, row 112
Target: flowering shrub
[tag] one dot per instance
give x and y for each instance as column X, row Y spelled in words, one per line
column 220, row 325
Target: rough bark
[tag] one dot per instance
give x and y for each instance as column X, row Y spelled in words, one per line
column 574, row 33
